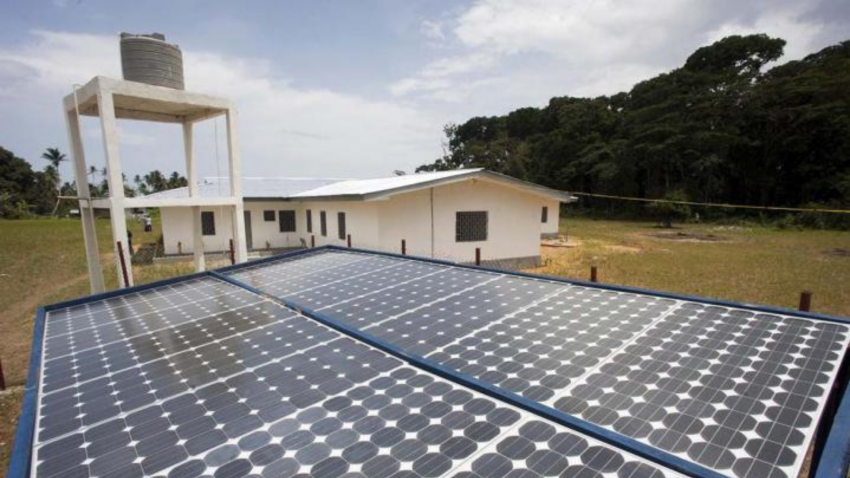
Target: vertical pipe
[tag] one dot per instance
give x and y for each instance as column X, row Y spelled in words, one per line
column 123, row 263
column 593, row 276
column 477, row 256
column 232, row 253
column 403, row 247
column 805, row 301
column 348, row 240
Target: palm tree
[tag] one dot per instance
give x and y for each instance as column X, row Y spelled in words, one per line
column 54, row 156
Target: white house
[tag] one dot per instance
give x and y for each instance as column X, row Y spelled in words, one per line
column 443, row 214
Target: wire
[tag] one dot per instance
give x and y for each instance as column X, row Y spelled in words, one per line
column 707, row 204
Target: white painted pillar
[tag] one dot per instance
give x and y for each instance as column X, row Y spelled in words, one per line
column 192, row 174
column 75, row 137
column 109, row 130
column 235, row 164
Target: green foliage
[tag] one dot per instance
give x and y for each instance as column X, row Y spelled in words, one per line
column 717, row 129
column 668, row 211
column 25, row 193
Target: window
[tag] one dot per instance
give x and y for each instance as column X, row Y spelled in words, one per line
column 309, row 221
column 268, row 216
column 471, row 226
column 286, row 221
column 544, row 215
column 207, row 223
column 323, row 223
column 340, row 219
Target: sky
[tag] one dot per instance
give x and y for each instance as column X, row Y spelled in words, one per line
column 360, row 88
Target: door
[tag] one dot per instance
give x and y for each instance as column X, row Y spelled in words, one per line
column 249, row 236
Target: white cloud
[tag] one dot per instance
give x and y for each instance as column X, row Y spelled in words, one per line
column 285, row 129
column 790, row 25
column 433, row 30
column 543, row 48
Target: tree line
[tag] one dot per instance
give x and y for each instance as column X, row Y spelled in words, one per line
column 720, row 128
column 26, row 192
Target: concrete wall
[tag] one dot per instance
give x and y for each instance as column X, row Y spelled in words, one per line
column 177, row 229
column 361, row 222
column 514, row 226
column 550, row 227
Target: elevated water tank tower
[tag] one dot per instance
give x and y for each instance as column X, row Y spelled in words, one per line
column 152, row 90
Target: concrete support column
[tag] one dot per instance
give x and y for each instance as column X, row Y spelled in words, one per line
column 192, row 174
column 86, row 211
column 109, row 130
column 235, row 164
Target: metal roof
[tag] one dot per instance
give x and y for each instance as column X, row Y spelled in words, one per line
column 354, row 189
column 252, row 187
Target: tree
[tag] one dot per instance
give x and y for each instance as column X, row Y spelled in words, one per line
column 23, row 190
column 54, row 156
column 668, row 211
column 717, row 129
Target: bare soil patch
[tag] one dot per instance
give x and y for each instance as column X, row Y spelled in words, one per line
column 837, row 252
column 624, row 249
column 682, row 236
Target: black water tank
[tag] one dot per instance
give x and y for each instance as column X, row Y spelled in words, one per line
column 149, row 59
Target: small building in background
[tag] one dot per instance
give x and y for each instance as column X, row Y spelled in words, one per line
column 444, row 214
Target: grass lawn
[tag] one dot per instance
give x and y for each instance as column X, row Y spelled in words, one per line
column 43, row 261
column 745, row 264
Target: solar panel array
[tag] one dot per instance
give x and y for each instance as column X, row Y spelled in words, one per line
column 202, row 378
column 736, row 391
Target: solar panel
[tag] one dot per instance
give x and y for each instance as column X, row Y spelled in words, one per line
column 737, row 391
column 204, row 378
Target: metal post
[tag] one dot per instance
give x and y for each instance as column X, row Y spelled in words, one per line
column 312, row 240
column 348, row 238
column 403, row 247
column 232, row 253
column 805, row 301
column 593, row 274
column 123, row 263
column 477, row 256
column 2, row 378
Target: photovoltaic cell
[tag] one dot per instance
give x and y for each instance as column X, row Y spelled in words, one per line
column 736, row 391
column 245, row 387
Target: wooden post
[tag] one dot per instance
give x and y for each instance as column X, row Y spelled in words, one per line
column 123, row 263
column 2, row 378
column 232, row 253
column 805, row 301
column 312, row 240
column 348, row 239
column 477, row 256
column 593, row 277
column 403, row 247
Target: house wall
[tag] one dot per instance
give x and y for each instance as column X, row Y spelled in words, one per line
column 361, row 222
column 514, row 226
column 550, row 227
column 360, row 218
column 177, row 229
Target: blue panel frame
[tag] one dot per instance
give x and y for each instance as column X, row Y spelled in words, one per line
column 835, row 456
